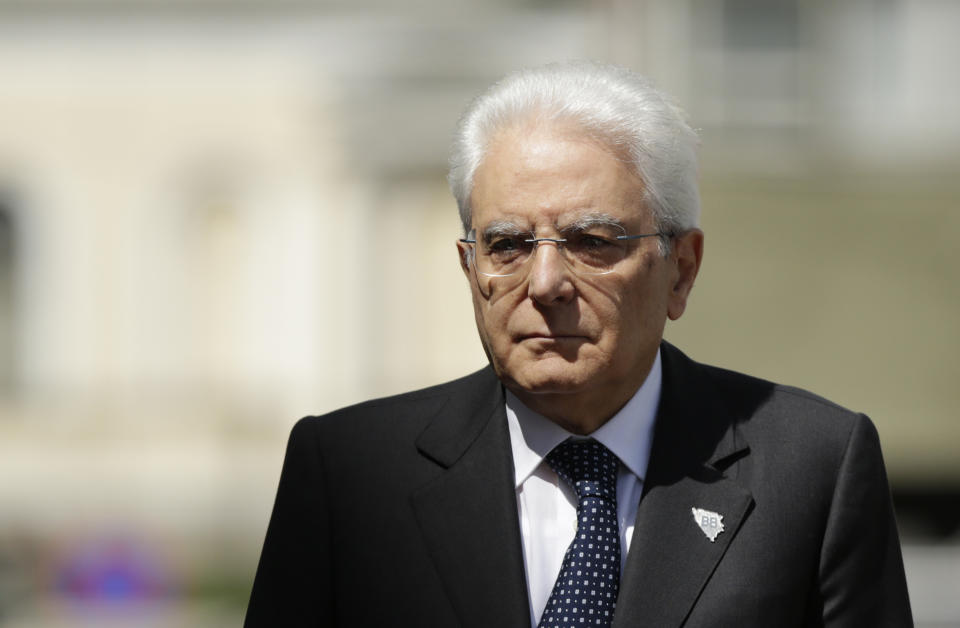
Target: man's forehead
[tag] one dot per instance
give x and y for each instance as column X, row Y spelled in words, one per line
column 550, row 179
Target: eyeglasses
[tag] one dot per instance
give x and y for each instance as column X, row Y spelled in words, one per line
column 585, row 252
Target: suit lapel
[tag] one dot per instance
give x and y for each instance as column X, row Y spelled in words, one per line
column 671, row 558
column 468, row 514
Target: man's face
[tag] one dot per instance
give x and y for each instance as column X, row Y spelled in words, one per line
column 556, row 338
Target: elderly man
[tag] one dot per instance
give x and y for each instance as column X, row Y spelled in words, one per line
column 592, row 474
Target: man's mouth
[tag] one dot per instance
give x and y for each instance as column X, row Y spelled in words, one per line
column 551, row 336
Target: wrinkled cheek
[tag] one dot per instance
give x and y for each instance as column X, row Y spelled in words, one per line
column 493, row 316
column 488, row 325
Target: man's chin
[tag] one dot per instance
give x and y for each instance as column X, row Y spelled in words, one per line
column 544, row 378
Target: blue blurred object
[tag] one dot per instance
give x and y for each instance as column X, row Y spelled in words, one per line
column 113, row 571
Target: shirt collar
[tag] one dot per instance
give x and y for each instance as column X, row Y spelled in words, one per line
column 628, row 434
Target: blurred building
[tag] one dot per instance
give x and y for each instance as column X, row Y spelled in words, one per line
column 219, row 216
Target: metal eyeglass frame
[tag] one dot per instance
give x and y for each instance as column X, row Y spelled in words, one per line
column 559, row 242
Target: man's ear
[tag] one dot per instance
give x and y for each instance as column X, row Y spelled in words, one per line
column 463, row 251
column 685, row 256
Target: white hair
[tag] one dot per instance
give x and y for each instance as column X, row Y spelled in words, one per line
column 614, row 105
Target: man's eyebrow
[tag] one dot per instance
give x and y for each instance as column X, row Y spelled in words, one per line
column 594, row 219
column 502, row 228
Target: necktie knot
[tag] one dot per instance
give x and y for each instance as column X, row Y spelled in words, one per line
column 586, row 466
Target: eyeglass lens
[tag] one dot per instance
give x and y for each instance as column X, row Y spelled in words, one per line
column 590, row 253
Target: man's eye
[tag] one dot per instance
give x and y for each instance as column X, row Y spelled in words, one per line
column 588, row 241
column 506, row 245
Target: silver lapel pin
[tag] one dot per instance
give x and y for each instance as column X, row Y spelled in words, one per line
column 710, row 522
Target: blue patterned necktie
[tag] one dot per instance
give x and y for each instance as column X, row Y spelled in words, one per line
column 586, row 589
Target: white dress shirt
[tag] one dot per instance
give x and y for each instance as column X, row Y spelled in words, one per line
column 548, row 507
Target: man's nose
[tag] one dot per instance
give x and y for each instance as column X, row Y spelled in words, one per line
column 550, row 279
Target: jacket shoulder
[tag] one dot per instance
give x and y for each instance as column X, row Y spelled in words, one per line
column 778, row 396
column 764, row 409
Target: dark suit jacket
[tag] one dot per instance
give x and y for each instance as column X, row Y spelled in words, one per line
column 402, row 512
